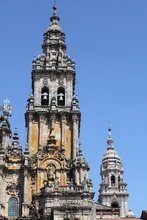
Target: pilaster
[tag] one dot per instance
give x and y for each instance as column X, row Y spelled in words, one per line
column 63, row 130
column 29, row 131
column 75, row 133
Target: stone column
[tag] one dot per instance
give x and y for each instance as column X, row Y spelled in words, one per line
column 25, row 209
column 77, row 177
column 41, row 124
column 63, row 128
column 29, row 131
column 75, row 129
column 1, row 194
column 25, row 186
column 81, row 175
column 52, row 126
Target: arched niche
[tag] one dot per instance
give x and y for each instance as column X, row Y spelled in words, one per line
column 47, row 161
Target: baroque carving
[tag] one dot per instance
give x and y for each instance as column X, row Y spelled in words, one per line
column 53, row 77
column 45, row 82
column 36, row 76
column 34, row 213
column 12, row 189
column 51, row 172
column 60, row 81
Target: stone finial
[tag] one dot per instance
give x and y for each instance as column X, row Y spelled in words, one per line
column 55, row 20
column 26, row 149
column 55, row 7
column 75, row 103
column 80, row 153
column 6, row 108
column 110, row 140
column 15, row 136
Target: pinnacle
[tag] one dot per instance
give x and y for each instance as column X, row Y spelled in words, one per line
column 16, row 137
column 80, row 153
column 110, row 140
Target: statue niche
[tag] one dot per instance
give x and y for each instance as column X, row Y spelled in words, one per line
column 51, row 175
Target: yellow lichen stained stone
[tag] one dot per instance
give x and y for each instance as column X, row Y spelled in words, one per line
column 34, row 139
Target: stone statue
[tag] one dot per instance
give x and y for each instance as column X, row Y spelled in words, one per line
column 51, row 172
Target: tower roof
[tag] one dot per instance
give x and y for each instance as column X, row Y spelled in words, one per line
column 54, row 26
column 54, row 50
column 110, row 153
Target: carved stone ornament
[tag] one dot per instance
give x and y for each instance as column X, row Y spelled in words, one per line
column 61, row 82
column 69, row 77
column 69, row 216
column 53, row 77
column 33, row 212
column 37, row 76
column 12, row 190
column 14, row 153
column 45, row 82
column 40, row 153
column 51, row 172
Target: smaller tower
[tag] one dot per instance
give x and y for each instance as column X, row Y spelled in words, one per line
column 113, row 190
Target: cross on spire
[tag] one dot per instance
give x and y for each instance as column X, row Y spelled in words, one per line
column 54, row 7
column 54, row 2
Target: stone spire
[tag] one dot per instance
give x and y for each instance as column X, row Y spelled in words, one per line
column 81, row 168
column 113, row 190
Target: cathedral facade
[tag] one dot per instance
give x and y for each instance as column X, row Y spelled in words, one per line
column 49, row 180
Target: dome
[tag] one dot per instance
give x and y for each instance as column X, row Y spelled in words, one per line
column 111, row 154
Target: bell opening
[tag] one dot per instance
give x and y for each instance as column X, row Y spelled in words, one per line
column 114, row 205
column 45, row 96
column 61, row 96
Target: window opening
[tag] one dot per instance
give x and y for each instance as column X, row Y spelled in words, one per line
column 112, row 180
column 13, row 207
column 114, row 205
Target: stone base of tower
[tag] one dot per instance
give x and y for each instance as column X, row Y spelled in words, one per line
column 64, row 203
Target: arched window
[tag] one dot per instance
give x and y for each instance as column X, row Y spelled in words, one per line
column 13, row 207
column 44, row 96
column 113, row 180
column 61, row 96
column 114, row 205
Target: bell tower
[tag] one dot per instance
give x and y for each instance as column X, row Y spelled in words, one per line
column 52, row 108
column 113, row 190
column 53, row 118
column 54, row 166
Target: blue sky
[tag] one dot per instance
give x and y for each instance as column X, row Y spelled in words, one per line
column 108, row 40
